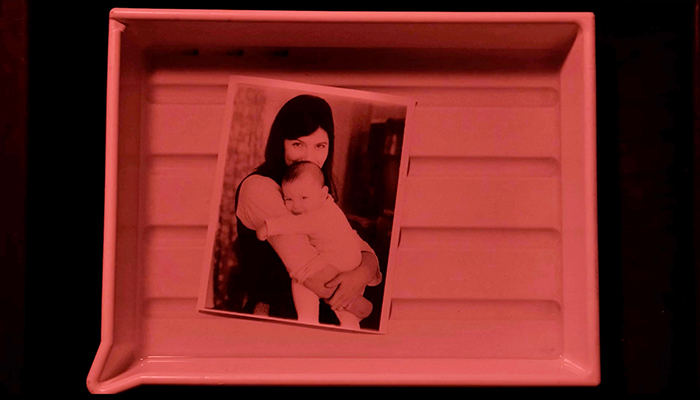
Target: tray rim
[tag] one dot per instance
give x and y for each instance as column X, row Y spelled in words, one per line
column 584, row 19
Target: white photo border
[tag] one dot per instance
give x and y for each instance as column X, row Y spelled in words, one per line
column 206, row 286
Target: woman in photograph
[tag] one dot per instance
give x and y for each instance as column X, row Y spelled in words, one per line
column 303, row 130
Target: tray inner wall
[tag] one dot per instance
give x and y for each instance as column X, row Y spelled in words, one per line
column 479, row 268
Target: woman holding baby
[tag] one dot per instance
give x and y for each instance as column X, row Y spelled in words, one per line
column 303, row 130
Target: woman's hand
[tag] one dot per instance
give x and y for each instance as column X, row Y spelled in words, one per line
column 351, row 284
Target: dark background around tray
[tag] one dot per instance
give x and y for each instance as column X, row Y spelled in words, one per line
column 51, row 261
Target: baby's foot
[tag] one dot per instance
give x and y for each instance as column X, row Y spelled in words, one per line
column 361, row 307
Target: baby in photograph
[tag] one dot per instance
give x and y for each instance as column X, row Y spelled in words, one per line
column 315, row 213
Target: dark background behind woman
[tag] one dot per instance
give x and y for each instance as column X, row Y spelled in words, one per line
column 648, row 279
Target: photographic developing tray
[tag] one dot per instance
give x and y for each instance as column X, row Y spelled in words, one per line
column 496, row 279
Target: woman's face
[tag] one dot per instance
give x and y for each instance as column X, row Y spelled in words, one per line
column 313, row 147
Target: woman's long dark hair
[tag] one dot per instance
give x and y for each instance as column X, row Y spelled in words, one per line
column 299, row 117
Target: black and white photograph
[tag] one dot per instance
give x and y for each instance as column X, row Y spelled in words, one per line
column 303, row 225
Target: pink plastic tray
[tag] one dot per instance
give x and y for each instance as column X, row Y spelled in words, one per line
column 496, row 276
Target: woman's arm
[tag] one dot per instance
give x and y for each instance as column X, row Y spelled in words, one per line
column 370, row 261
column 351, row 285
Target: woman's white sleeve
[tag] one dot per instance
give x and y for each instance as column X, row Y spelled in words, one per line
column 260, row 198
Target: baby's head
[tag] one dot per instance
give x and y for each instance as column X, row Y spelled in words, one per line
column 303, row 187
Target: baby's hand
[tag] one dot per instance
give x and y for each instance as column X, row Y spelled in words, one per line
column 262, row 232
